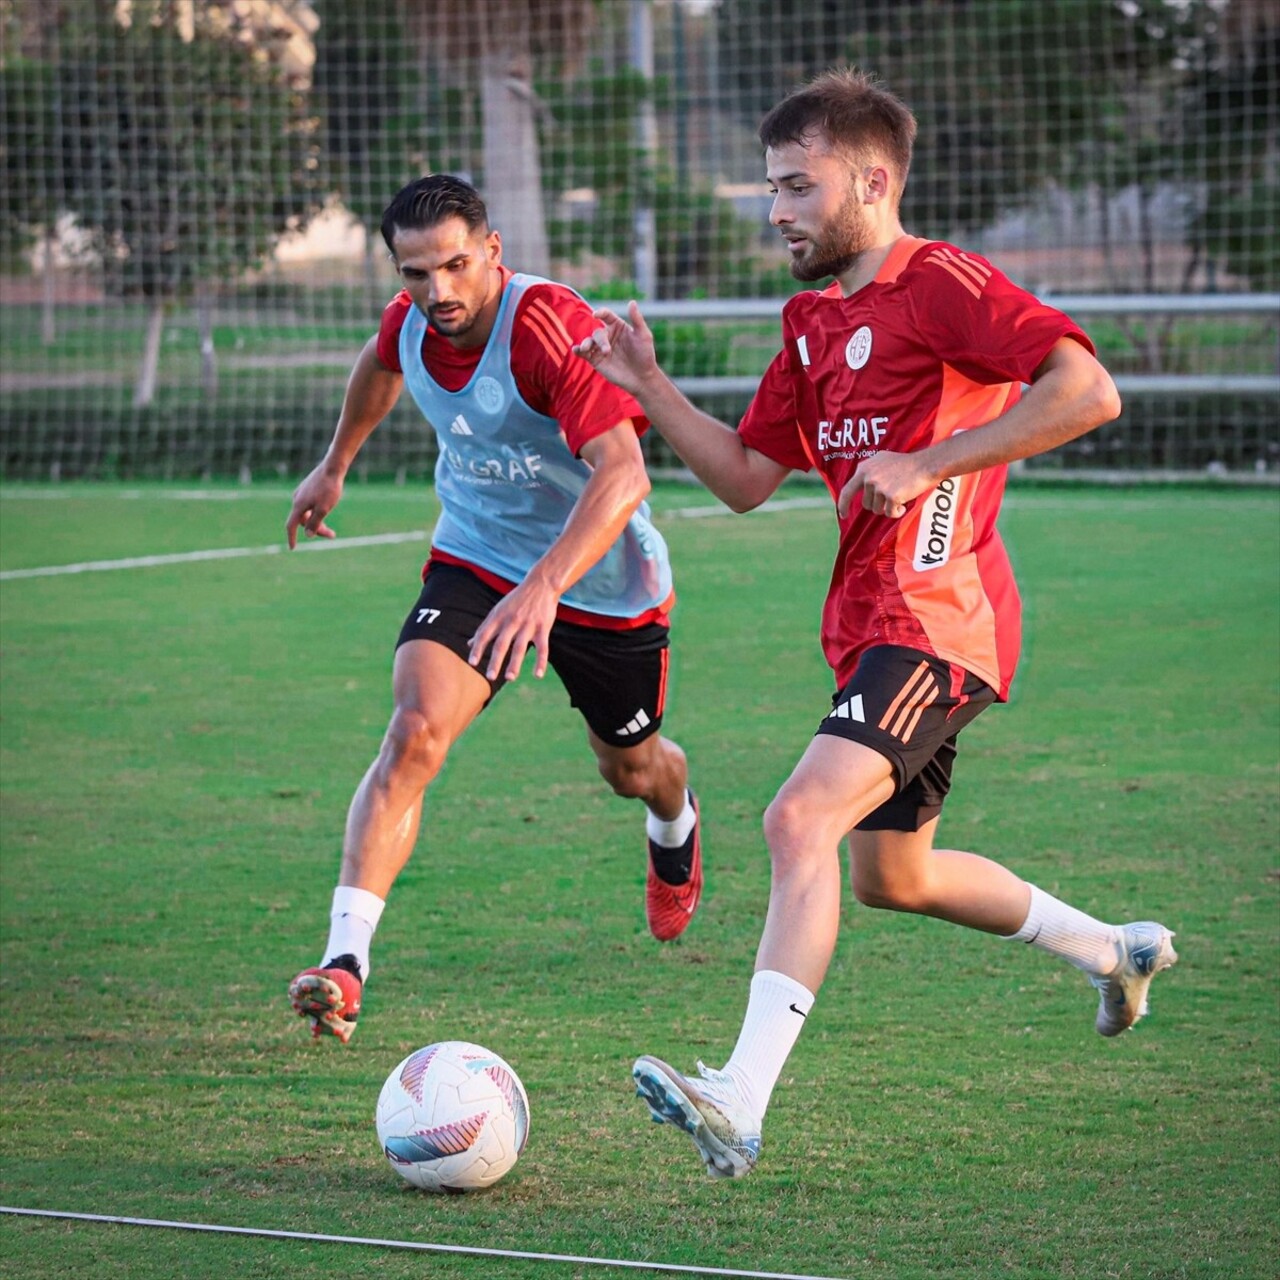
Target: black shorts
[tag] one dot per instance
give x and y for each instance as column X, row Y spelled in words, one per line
column 909, row 706
column 616, row 679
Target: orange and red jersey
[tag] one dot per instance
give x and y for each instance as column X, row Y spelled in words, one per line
column 939, row 342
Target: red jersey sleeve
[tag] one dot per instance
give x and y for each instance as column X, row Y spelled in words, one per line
column 770, row 425
column 393, row 315
column 981, row 323
column 554, row 381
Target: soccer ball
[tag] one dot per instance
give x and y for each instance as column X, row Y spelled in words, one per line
column 452, row 1117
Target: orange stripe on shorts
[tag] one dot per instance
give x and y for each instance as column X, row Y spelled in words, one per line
column 920, row 706
column 913, row 682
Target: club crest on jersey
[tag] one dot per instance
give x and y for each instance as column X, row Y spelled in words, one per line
column 489, row 395
column 857, row 350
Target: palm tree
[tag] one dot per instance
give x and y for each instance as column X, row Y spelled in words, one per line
column 496, row 44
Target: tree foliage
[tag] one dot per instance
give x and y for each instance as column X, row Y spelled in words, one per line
column 368, row 87
column 28, row 198
column 591, row 142
column 1098, row 95
column 489, row 54
column 184, row 159
column 1233, row 121
column 997, row 118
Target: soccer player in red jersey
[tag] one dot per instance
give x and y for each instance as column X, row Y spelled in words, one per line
column 544, row 543
column 901, row 385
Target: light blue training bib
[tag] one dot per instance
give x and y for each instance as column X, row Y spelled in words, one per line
column 507, row 480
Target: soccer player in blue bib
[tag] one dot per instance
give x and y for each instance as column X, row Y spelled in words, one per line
column 544, row 543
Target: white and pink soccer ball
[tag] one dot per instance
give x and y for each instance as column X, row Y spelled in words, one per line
column 452, row 1117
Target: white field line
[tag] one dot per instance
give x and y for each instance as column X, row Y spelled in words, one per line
column 1023, row 500
column 816, row 502
column 774, row 504
column 413, row 1244
column 135, row 495
column 1121, row 499
column 335, row 544
column 217, row 553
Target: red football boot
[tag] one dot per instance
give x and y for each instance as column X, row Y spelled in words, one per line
column 670, row 907
column 329, row 996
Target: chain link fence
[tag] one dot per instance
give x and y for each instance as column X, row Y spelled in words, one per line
column 189, row 258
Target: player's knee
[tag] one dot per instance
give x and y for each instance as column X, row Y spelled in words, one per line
column 888, row 892
column 788, row 829
column 413, row 749
column 629, row 776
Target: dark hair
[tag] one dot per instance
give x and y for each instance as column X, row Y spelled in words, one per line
column 854, row 111
column 430, row 201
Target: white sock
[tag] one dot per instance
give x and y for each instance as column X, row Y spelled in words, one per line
column 776, row 1011
column 352, row 921
column 670, row 835
column 1062, row 931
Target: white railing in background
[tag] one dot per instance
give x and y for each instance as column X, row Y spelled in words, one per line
column 1075, row 305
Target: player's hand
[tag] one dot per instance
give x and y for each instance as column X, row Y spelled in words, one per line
column 313, row 499
column 622, row 350
column 885, row 484
column 520, row 621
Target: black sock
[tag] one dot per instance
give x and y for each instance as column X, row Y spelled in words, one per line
column 346, row 961
column 673, row 866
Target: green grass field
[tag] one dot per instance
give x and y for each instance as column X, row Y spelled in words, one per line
column 179, row 745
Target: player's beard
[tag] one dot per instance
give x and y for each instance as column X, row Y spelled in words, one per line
column 837, row 245
column 456, row 324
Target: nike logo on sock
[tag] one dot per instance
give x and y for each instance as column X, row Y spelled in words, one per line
column 801, row 1012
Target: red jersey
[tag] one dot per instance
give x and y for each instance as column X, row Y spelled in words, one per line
column 938, row 343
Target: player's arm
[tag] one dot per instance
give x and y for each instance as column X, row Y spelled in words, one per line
column 524, row 617
column 623, row 351
column 618, row 484
column 372, row 391
column 1070, row 394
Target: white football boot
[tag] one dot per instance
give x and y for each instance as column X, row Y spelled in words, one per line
column 710, row 1110
column 1148, row 948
